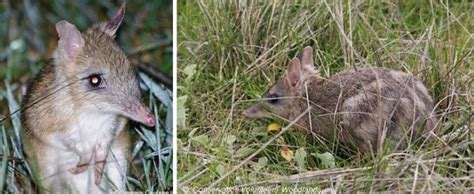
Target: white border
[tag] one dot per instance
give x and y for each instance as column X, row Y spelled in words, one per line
column 175, row 95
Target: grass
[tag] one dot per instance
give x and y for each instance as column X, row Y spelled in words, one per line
column 28, row 38
column 230, row 52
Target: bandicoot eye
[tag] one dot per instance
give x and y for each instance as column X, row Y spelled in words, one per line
column 273, row 98
column 95, row 80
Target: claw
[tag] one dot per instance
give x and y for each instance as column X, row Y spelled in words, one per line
column 83, row 164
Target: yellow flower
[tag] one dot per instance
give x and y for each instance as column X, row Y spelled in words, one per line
column 273, row 128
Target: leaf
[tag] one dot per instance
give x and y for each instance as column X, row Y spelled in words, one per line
column 273, row 128
column 262, row 162
column 189, row 70
column 201, row 139
column 280, row 140
column 220, row 169
column 244, row 152
column 169, row 126
column 5, row 149
column 230, row 139
column 161, row 93
column 148, row 137
column 327, row 160
column 287, row 153
column 181, row 111
column 14, row 106
column 137, row 148
column 300, row 157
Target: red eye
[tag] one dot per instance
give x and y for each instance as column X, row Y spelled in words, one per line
column 95, row 80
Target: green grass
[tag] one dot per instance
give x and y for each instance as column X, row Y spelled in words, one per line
column 231, row 52
column 28, row 38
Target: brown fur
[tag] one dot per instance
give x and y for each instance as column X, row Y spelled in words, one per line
column 51, row 85
column 354, row 107
column 61, row 109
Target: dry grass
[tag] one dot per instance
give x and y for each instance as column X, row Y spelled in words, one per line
column 229, row 52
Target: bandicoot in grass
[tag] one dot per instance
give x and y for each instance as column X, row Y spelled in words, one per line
column 360, row 108
column 231, row 52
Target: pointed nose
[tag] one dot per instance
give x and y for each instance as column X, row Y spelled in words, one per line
column 142, row 114
column 247, row 113
column 148, row 117
column 151, row 122
column 254, row 112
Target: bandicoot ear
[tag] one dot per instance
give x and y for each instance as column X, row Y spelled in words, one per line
column 110, row 27
column 307, row 56
column 307, row 63
column 70, row 40
column 293, row 74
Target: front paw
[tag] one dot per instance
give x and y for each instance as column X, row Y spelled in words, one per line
column 83, row 164
column 99, row 169
column 80, row 168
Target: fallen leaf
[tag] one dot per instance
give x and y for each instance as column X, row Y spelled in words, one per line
column 287, row 153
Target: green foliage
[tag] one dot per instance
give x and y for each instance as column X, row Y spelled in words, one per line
column 237, row 49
